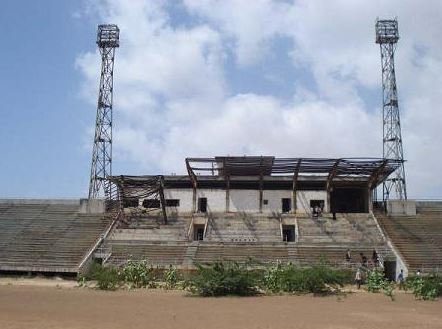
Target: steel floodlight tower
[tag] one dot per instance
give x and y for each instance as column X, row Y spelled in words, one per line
column 107, row 40
column 387, row 36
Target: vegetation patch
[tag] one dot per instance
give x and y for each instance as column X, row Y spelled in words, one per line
column 231, row 278
column 222, row 279
column 376, row 282
column 320, row 279
column 425, row 288
column 137, row 274
column 172, row 278
column 107, row 277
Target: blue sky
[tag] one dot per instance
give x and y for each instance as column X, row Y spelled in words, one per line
column 43, row 118
column 202, row 78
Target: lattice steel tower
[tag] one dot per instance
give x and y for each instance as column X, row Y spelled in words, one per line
column 107, row 40
column 387, row 36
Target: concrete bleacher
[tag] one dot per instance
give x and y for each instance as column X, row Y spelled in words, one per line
column 55, row 237
column 152, row 228
column 298, row 254
column 336, row 254
column 157, row 253
column 44, row 236
column 209, row 252
column 357, row 228
column 417, row 238
column 240, row 237
column 242, row 227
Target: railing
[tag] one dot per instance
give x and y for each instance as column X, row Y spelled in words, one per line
column 209, row 218
column 99, row 241
column 296, row 230
column 280, row 227
column 190, row 229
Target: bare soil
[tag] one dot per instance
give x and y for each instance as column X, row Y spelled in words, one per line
column 60, row 305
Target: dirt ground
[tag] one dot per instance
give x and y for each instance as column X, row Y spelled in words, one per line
column 58, row 304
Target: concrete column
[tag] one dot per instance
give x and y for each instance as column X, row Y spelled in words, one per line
column 228, row 194
column 194, row 200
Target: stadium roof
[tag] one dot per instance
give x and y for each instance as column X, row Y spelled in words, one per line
column 373, row 170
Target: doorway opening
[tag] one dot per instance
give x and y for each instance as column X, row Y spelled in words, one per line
column 286, row 205
column 288, row 233
column 198, row 232
column 390, row 269
column 202, row 204
column 349, row 200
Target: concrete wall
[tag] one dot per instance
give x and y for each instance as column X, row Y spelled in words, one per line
column 184, row 195
column 216, row 199
column 398, row 207
column 429, row 203
column 243, row 200
column 96, row 206
column 303, row 200
column 42, row 201
column 274, row 198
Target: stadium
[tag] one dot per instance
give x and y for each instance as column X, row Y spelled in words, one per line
column 232, row 208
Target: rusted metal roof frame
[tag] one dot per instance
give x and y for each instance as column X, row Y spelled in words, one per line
column 146, row 187
column 375, row 170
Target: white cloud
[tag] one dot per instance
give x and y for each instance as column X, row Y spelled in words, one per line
column 173, row 98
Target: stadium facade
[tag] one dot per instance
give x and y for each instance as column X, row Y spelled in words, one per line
column 260, row 184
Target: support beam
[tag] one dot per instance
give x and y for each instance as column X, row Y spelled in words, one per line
column 330, row 178
column 194, row 181
column 375, row 175
column 227, row 193
column 295, row 183
column 261, row 185
column 162, row 199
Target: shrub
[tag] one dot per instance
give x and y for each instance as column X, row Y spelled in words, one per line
column 388, row 288
column 81, row 280
column 426, row 288
column 318, row 279
column 221, row 279
column 376, row 281
column 172, row 277
column 107, row 277
column 137, row 273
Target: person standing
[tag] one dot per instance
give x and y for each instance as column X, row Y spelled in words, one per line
column 375, row 258
column 348, row 256
column 401, row 280
column 358, row 278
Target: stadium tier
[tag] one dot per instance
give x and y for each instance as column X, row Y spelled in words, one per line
column 189, row 239
column 417, row 238
column 54, row 236
column 46, row 237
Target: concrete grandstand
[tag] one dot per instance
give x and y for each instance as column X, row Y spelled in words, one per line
column 297, row 210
